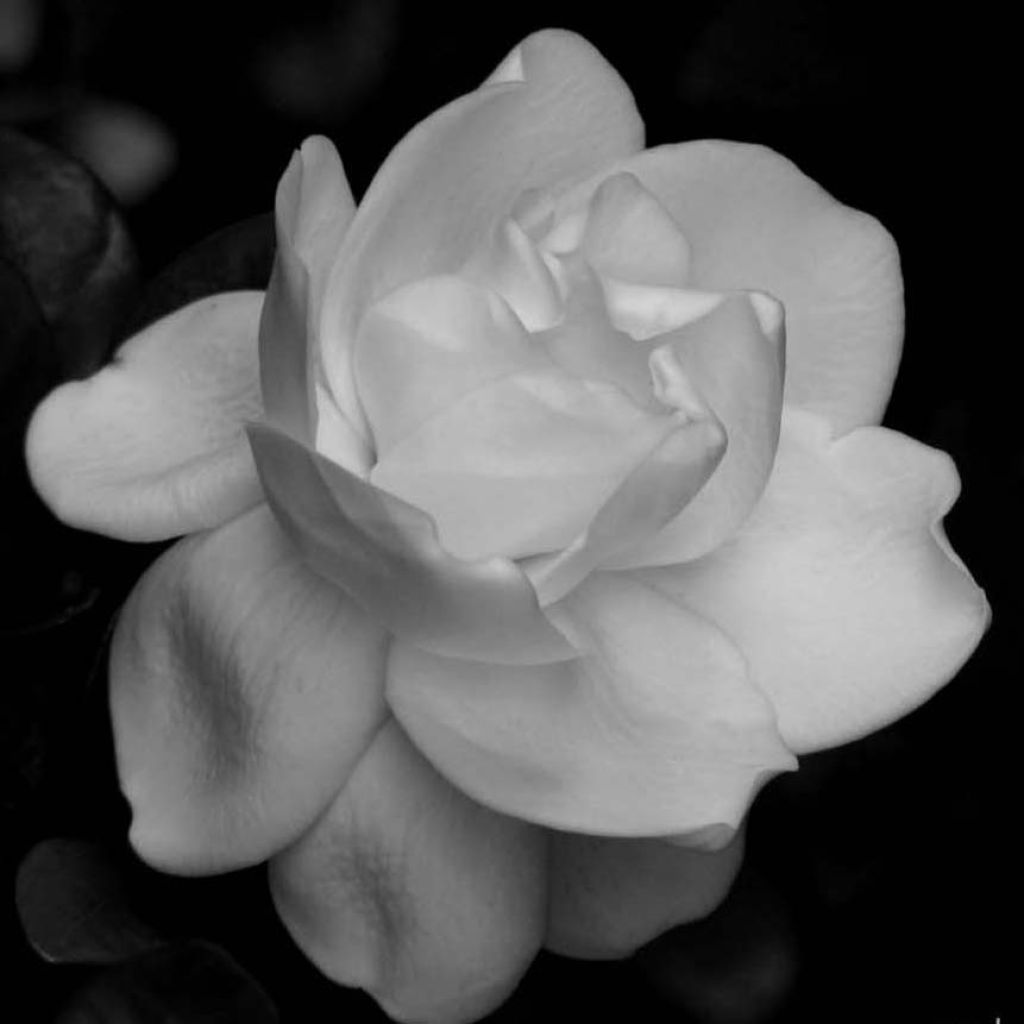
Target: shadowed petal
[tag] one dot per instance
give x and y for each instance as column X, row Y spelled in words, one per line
column 243, row 690
column 409, row 889
column 653, row 730
column 555, row 113
column 841, row 590
column 609, row 896
column 153, row 445
column 385, row 554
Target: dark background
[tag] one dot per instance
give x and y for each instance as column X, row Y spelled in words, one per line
column 878, row 886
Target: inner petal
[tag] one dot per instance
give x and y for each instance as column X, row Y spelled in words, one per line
column 630, row 236
column 519, row 465
column 425, row 345
column 587, row 344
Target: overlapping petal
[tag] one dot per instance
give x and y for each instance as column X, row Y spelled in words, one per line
column 243, row 690
column 754, row 221
column 630, row 236
column 734, row 358
column 385, row 553
column 654, row 730
column 519, row 465
column 153, row 445
column 428, row 344
column 559, row 114
column 649, row 498
column 608, row 896
column 313, row 209
column 411, row 890
column 841, row 590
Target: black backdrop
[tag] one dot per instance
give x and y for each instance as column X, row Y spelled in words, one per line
column 878, row 883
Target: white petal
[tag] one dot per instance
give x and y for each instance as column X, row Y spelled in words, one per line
column 653, row 730
column 457, row 174
column 732, row 364
column 409, row 889
column 754, row 221
column 243, row 691
column 841, row 590
column 386, row 555
column 153, row 445
column 520, row 465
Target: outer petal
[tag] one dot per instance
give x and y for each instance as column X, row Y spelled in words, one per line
column 654, row 730
column 555, row 113
column 409, row 889
column 754, row 221
column 243, row 691
column 609, row 896
column 313, row 209
column 841, row 590
column 385, row 553
column 152, row 446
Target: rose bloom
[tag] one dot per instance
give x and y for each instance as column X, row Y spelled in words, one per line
column 538, row 514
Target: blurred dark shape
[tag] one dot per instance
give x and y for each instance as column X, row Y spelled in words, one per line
column 19, row 31
column 75, row 904
column 737, row 966
column 236, row 258
column 45, row 50
column 326, row 59
column 795, row 54
column 62, row 231
column 67, row 276
column 126, row 147
column 190, row 983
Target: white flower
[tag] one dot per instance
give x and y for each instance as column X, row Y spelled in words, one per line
column 561, row 522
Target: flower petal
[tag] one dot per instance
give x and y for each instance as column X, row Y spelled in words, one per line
column 650, row 497
column 754, row 221
column 243, row 690
column 409, row 889
column 313, row 209
column 152, row 446
column 734, row 359
column 630, row 236
column 426, row 345
column 841, row 590
column 609, row 896
column 653, row 730
column 457, row 174
column 385, row 553
column 519, row 465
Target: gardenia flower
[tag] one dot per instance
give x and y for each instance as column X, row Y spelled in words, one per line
column 537, row 516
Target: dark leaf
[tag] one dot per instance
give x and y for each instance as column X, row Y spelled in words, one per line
column 74, row 905
column 235, row 258
column 28, row 358
column 60, row 228
column 190, row 983
column 39, row 583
